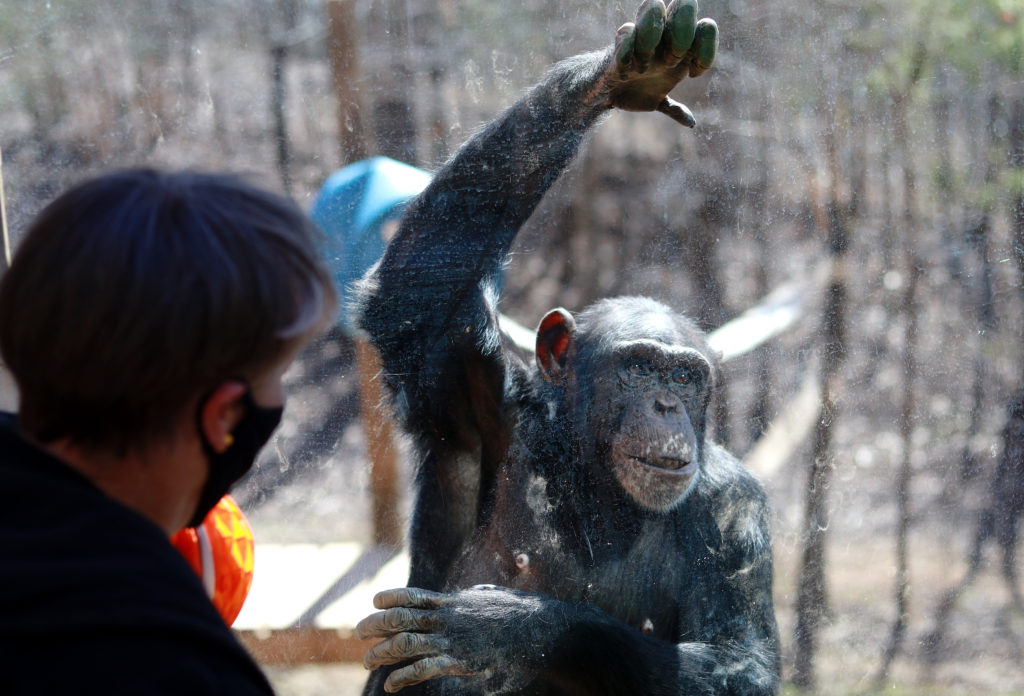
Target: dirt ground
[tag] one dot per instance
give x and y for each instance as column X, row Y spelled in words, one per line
column 318, row 680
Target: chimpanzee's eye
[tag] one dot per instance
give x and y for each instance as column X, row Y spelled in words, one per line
column 636, row 367
column 682, row 376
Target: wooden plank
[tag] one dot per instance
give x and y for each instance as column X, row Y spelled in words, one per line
column 775, row 313
column 300, row 646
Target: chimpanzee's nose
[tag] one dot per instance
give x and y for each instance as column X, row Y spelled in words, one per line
column 666, row 405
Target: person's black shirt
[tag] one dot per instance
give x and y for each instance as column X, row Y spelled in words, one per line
column 93, row 597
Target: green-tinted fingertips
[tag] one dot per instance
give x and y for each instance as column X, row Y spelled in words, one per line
column 624, row 41
column 650, row 23
column 705, row 46
column 682, row 26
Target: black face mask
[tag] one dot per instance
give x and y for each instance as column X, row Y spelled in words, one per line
column 251, row 433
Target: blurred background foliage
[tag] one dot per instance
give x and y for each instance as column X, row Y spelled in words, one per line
column 884, row 140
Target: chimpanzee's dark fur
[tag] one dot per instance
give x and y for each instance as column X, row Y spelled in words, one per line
column 610, row 589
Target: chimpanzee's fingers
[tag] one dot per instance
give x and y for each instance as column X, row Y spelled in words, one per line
column 677, row 111
column 625, row 38
column 705, row 46
column 387, row 623
column 680, row 27
column 408, row 597
column 429, row 668
column 650, row 25
column 404, row 646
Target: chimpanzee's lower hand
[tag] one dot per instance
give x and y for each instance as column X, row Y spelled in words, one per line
column 653, row 54
column 476, row 632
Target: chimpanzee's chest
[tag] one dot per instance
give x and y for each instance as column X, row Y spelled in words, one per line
column 639, row 579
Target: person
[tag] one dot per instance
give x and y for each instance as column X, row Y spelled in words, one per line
column 147, row 319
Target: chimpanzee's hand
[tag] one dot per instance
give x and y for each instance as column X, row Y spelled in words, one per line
column 656, row 52
column 481, row 632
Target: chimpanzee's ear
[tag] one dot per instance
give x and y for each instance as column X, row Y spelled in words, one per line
column 556, row 345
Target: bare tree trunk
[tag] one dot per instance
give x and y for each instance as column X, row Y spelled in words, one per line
column 343, row 50
column 842, row 205
column 977, row 226
column 812, row 597
column 757, row 197
column 278, row 60
column 905, row 473
column 888, row 213
column 394, row 118
column 1017, row 164
column 912, row 264
column 707, row 277
column 428, row 33
column 941, row 113
column 279, row 43
column 812, row 593
column 439, row 147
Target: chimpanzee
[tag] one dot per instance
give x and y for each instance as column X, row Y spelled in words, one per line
column 623, row 552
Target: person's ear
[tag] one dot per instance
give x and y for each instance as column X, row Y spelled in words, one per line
column 220, row 413
column 556, row 346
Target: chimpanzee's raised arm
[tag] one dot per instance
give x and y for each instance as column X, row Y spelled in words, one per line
column 429, row 305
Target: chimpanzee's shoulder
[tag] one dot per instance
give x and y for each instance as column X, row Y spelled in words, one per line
column 723, row 473
column 727, row 487
column 734, row 499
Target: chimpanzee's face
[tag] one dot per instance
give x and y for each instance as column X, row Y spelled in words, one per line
column 648, row 408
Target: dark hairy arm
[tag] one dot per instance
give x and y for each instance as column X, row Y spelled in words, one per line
column 430, row 304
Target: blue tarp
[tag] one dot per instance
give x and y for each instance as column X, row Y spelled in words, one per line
column 352, row 207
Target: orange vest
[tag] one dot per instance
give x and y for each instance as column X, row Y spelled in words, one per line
column 220, row 550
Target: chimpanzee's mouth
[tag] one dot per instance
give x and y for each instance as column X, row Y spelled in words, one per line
column 670, row 464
